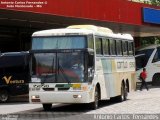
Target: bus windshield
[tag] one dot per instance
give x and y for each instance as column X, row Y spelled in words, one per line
column 58, row 67
column 142, row 58
column 59, row 42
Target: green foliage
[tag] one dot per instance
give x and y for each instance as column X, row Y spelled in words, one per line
column 149, row 40
column 155, row 2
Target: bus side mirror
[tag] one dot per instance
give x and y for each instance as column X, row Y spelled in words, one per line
column 90, row 72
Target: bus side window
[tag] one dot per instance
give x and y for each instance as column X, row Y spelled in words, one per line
column 90, row 42
column 112, row 44
column 125, row 48
column 99, row 46
column 106, row 46
column 119, row 47
column 130, row 48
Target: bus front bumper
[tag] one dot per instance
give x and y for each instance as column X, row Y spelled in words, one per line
column 60, row 97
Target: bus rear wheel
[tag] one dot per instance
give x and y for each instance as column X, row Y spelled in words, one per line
column 124, row 94
column 4, row 96
column 47, row 107
column 94, row 105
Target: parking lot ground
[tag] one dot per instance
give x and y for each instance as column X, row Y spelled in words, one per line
column 138, row 102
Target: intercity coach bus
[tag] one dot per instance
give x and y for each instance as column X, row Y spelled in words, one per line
column 81, row 64
column 14, row 75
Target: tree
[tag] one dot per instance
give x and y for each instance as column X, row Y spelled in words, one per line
column 155, row 2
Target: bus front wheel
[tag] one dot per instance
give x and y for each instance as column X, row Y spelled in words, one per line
column 4, row 95
column 94, row 105
column 47, row 107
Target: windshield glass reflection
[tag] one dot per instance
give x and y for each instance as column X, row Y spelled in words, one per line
column 59, row 67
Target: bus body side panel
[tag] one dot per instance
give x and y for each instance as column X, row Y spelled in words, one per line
column 112, row 72
column 129, row 72
column 108, row 67
column 110, row 80
column 101, row 78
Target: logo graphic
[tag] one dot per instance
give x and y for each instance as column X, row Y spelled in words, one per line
column 9, row 81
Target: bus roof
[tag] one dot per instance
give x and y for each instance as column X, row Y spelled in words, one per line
column 148, row 47
column 82, row 30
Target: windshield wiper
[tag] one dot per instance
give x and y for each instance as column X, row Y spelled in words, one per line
column 63, row 73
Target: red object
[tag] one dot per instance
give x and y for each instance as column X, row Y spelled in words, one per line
column 119, row 11
column 143, row 75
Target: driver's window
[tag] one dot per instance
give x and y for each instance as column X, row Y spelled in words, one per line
column 90, row 66
column 156, row 57
column 90, row 61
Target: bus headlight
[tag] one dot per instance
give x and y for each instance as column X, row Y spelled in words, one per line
column 35, row 96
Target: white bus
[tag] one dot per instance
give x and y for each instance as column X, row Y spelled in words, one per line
column 81, row 64
column 149, row 57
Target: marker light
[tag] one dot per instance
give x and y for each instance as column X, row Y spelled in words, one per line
column 84, row 88
column 77, row 96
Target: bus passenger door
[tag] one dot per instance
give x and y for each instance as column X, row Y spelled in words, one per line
column 101, row 78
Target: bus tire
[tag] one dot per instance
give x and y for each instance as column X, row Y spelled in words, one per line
column 4, row 96
column 47, row 107
column 124, row 94
column 94, row 105
column 156, row 80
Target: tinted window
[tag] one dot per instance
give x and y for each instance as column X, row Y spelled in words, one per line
column 59, row 42
column 125, row 47
column 90, row 42
column 13, row 61
column 58, row 67
column 98, row 46
column 130, row 48
column 15, row 65
column 106, row 46
column 157, row 55
column 119, row 47
column 112, row 46
column 142, row 57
